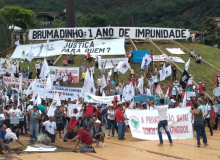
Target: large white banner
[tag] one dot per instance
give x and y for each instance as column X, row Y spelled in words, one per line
column 98, row 99
column 108, row 32
column 163, row 58
column 63, row 70
column 144, row 123
column 66, row 92
column 175, row 51
column 109, row 62
column 94, row 47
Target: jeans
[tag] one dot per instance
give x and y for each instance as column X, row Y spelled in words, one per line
column 25, row 124
column 174, row 76
column 208, row 122
column 216, row 122
column 85, row 148
column 113, row 124
column 200, row 130
column 34, row 131
column 5, row 141
column 38, row 73
column 104, row 119
column 161, row 125
column 69, row 136
column 121, row 130
column 115, row 74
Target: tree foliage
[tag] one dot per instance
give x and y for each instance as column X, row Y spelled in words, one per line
column 94, row 20
column 209, row 25
column 59, row 23
column 3, row 33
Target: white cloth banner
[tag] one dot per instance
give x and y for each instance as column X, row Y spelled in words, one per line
column 190, row 94
column 108, row 32
column 63, row 70
column 94, row 47
column 175, row 51
column 33, row 149
column 144, row 123
column 66, row 92
column 109, row 63
column 71, row 107
column 98, row 99
column 163, row 58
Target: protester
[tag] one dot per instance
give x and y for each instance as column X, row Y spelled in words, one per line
column 70, row 129
column 217, row 115
column 4, row 141
column 174, row 72
column 198, row 59
column 38, row 68
column 58, row 119
column 115, row 71
column 64, row 62
column 88, row 123
column 111, row 120
column 50, row 128
column 98, row 133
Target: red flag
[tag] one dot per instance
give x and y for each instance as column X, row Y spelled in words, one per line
column 168, row 91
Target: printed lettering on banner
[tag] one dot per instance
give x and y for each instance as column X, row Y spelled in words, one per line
column 144, row 123
column 158, row 90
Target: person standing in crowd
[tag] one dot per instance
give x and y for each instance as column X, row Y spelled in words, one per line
column 2, row 116
column 89, row 58
column 21, row 119
column 174, row 72
column 14, row 114
column 37, row 66
column 91, row 110
column 7, row 117
column 50, row 61
column 41, row 108
column 102, row 70
column 115, row 71
column 83, row 75
column 35, row 116
column 58, row 119
column 70, row 79
column 71, row 59
column 120, row 119
column 163, row 124
column 207, row 110
column 83, row 67
column 151, row 56
column 212, row 114
column 50, row 128
column 111, row 120
column 85, row 138
column 88, row 123
column 98, row 133
column 70, row 129
column 119, row 90
column 217, row 115
column 197, row 116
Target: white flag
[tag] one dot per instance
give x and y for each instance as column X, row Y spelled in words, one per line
column 130, row 92
column 20, row 91
column 45, row 69
column 162, row 73
column 17, row 66
column 31, row 87
column 56, row 100
column 30, row 56
column 47, row 45
column 103, row 94
column 23, row 56
column 168, row 70
column 50, row 112
column 187, row 65
column 145, row 61
column 34, row 97
column 48, row 85
column 131, row 106
column 123, row 66
column 141, row 85
column 110, row 73
column 88, row 87
column 38, row 101
column 13, row 68
column 17, row 43
column 104, row 84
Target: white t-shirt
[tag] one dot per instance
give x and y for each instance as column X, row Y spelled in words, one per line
column 14, row 116
column 190, row 80
column 2, row 117
column 37, row 66
column 111, row 112
column 29, row 107
column 162, row 112
column 10, row 134
column 206, row 109
column 173, row 93
column 50, row 126
column 92, row 69
column 148, row 91
column 199, row 58
column 54, row 77
column 154, row 78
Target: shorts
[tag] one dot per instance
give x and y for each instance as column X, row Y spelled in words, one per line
column 156, row 83
column 212, row 120
column 59, row 126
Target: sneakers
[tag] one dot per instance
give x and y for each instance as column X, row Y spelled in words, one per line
column 93, row 150
column 171, row 144
column 97, row 143
column 108, row 137
column 206, row 144
column 103, row 145
column 160, row 144
column 112, row 135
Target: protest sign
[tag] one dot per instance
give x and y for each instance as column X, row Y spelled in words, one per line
column 109, row 62
column 175, row 51
column 108, row 32
column 94, row 47
column 163, row 58
column 144, row 123
column 97, row 99
column 6, row 63
column 190, row 94
column 73, row 70
column 71, row 107
column 66, row 92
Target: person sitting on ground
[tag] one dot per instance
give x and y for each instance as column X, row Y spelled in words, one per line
column 70, row 129
column 88, row 123
column 192, row 53
column 11, row 134
column 198, row 59
column 50, row 128
column 71, row 59
column 98, row 133
column 85, row 138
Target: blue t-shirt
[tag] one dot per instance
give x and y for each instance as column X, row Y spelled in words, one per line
column 41, row 108
column 201, row 107
column 2, row 135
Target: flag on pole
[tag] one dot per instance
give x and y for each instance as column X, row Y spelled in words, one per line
column 45, row 69
column 184, row 101
column 30, row 56
column 56, row 100
column 168, row 71
column 163, row 73
column 34, row 97
column 31, row 87
column 184, row 79
column 104, row 84
column 187, row 65
column 130, row 92
column 20, row 91
column 145, row 61
column 88, row 86
column 168, row 91
column 109, row 75
column 103, row 94
column 17, row 43
column 141, row 85
column 123, row 66
column 48, row 85
column 38, row 101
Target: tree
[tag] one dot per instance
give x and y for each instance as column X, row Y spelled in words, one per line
column 59, row 23
column 17, row 16
column 80, row 20
column 209, row 25
column 94, row 20
column 3, row 33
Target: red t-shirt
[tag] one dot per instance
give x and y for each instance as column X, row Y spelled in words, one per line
column 89, row 109
column 85, row 136
column 132, row 80
column 88, row 55
column 99, row 115
column 72, row 125
column 118, row 118
column 201, row 88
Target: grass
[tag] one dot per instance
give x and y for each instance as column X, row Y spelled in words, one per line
column 200, row 71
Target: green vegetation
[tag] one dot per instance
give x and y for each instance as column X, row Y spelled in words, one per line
column 3, row 33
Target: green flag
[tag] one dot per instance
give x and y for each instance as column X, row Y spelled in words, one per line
column 189, row 89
